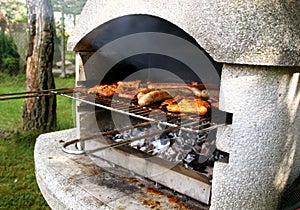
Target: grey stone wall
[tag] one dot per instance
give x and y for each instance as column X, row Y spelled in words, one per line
column 263, row 140
column 243, row 32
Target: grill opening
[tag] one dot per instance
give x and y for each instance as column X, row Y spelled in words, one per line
column 149, row 140
column 136, row 24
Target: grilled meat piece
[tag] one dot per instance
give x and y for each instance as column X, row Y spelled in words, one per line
column 128, row 85
column 128, row 89
column 125, row 89
column 168, row 102
column 103, row 90
column 143, row 91
column 181, row 87
column 128, row 94
column 155, row 92
column 152, row 97
column 171, row 101
column 195, row 105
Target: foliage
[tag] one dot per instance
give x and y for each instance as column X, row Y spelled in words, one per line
column 14, row 10
column 69, row 6
column 21, row 16
column 69, row 9
column 9, row 56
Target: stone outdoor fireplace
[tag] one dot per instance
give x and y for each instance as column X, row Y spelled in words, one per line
column 250, row 65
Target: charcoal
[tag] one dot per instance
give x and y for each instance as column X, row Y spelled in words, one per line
column 136, row 132
column 192, row 150
column 165, row 141
column 158, row 147
column 138, row 144
column 189, row 158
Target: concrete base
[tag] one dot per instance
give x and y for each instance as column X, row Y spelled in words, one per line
column 75, row 182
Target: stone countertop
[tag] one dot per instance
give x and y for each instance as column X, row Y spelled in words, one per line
column 76, row 182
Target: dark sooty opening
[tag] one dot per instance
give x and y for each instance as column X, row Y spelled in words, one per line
column 148, row 62
column 132, row 24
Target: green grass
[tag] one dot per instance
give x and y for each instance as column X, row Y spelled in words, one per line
column 65, row 106
column 18, row 188
column 11, row 111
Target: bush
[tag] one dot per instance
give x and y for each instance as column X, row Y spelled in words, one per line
column 9, row 56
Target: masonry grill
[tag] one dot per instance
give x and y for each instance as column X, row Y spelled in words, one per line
column 246, row 80
column 161, row 142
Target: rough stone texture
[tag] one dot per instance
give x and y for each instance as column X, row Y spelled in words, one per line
column 75, row 182
column 263, row 140
column 241, row 32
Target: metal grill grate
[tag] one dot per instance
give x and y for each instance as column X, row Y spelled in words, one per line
column 130, row 107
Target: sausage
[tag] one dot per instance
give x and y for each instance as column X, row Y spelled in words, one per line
column 143, row 91
column 181, row 87
column 199, row 93
column 152, row 97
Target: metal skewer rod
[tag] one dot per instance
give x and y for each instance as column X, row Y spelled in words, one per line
column 118, row 144
column 28, row 96
column 36, row 91
column 33, row 94
column 105, row 133
column 122, row 143
column 20, row 97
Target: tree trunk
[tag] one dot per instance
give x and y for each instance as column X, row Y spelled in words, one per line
column 39, row 113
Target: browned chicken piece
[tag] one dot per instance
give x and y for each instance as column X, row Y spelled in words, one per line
column 103, row 90
column 168, row 102
column 171, row 101
column 196, row 105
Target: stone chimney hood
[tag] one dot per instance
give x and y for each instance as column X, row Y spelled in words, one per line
column 251, row 32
